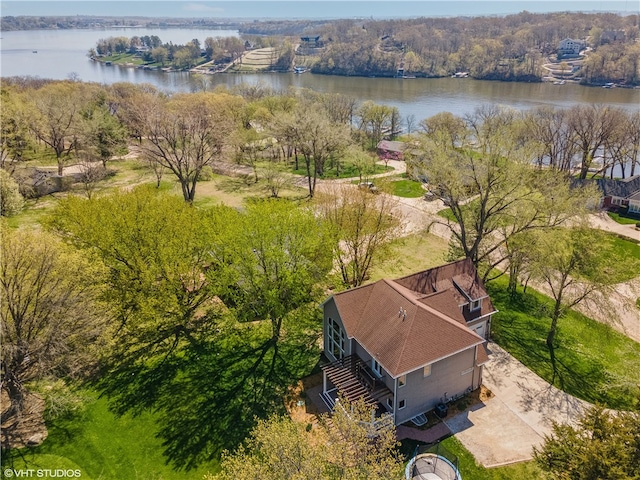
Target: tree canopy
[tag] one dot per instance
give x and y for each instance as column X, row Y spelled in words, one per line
column 604, row 445
column 214, row 309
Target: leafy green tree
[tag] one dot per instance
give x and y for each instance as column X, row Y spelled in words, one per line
column 50, row 312
column 103, row 136
column 280, row 258
column 280, row 449
column 11, row 200
column 604, row 445
column 214, row 310
column 14, row 132
column 377, row 120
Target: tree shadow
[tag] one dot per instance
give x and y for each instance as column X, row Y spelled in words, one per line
column 207, row 397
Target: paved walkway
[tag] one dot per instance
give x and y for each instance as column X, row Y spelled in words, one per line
column 505, row 429
column 429, row 435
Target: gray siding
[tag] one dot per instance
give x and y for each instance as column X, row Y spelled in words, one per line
column 422, row 394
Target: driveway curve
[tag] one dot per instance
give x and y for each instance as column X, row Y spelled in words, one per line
column 506, row 427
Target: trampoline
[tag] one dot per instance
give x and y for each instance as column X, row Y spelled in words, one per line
column 429, row 466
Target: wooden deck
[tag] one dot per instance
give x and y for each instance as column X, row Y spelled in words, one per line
column 353, row 378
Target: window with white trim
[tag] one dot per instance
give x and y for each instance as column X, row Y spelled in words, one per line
column 375, row 366
column 402, row 380
column 402, row 404
column 390, row 402
column 426, row 371
column 475, row 305
column 616, row 201
column 337, row 339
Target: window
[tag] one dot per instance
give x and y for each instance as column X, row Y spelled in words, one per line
column 427, row 371
column 337, row 339
column 375, row 366
column 390, row 402
column 402, row 381
column 402, row 404
column 616, row 201
column 475, row 305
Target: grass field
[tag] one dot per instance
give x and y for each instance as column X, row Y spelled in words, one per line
column 595, row 362
column 104, row 447
column 623, row 219
column 412, row 254
column 403, row 187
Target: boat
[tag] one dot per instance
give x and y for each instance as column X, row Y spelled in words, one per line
column 609, row 85
column 560, row 82
column 300, row 69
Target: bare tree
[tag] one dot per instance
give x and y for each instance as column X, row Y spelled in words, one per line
column 57, row 115
column 49, row 311
column 591, row 126
column 362, row 225
column 185, row 133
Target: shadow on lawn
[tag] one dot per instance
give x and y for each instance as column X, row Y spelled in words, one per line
column 208, row 396
column 521, row 327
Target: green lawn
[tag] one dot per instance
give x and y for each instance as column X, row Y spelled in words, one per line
column 404, row 188
column 471, row 470
column 411, row 254
column 103, row 447
column 595, row 362
column 623, row 219
column 623, row 257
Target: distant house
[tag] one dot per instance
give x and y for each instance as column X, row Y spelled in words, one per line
column 406, row 345
column 619, row 193
column 311, row 41
column 570, row 47
column 391, row 149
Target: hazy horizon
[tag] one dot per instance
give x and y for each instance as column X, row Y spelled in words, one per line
column 304, row 9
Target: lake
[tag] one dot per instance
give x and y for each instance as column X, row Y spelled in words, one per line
column 61, row 53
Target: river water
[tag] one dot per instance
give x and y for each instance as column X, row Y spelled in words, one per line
column 61, row 53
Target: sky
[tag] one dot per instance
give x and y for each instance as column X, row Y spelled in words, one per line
column 312, row 9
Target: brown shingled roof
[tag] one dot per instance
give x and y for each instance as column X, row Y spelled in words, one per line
column 406, row 324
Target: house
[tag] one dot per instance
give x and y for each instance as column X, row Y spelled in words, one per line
column 570, row 47
column 391, row 150
column 620, row 193
column 311, row 41
column 407, row 345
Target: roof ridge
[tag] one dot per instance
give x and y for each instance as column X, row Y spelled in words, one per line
column 439, row 267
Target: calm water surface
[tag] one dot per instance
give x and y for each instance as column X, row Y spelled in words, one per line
column 61, row 53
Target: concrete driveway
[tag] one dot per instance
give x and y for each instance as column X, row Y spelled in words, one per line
column 505, row 429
